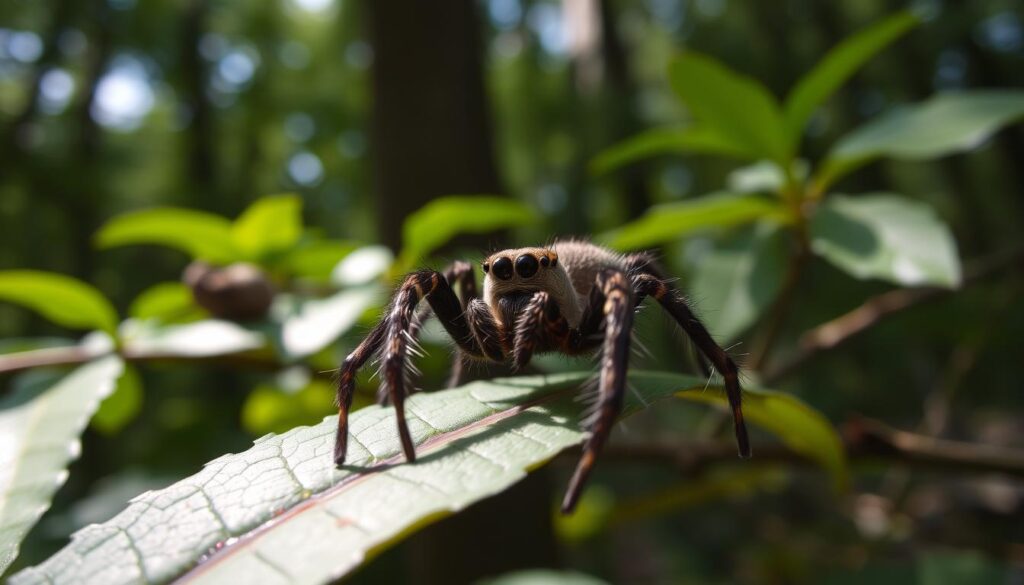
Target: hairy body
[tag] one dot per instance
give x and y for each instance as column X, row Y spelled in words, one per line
column 572, row 297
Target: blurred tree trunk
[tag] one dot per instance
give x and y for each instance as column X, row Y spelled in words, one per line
column 432, row 136
column 200, row 153
column 431, row 127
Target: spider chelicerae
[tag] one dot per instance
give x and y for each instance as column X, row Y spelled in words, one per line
column 572, row 297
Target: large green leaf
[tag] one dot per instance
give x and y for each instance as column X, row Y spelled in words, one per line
column 270, row 224
column 945, row 124
column 837, row 66
column 665, row 223
column 316, row 259
column 166, row 302
column 123, row 404
column 887, row 236
column 40, row 422
column 197, row 233
column 282, row 512
column 442, row 219
column 61, row 299
column 738, row 108
column 660, row 141
column 735, row 282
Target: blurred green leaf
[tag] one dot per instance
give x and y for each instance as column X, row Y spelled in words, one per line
column 444, row 218
column 886, row 236
column 671, row 221
column 201, row 235
column 269, row 409
column 165, row 301
column 207, row 338
column 40, row 422
column 122, row 406
column 739, row 109
column 838, row 66
column 960, row 567
column 735, row 282
column 660, row 141
column 309, row 325
column 363, row 266
column 474, row 441
column 543, row 577
column 945, row 124
column 800, row 427
column 64, row 300
column 270, row 224
column 317, row 259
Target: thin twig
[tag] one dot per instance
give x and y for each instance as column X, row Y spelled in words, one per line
column 834, row 333
column 864, row 441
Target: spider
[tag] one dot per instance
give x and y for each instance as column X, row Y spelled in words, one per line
column 572, row 297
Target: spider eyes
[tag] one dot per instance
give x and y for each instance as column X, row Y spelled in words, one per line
column 502, row 268
column 526, row 265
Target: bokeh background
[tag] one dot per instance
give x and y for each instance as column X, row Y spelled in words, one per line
column 368, row 110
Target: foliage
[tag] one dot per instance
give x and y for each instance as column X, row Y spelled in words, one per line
column 232, row 517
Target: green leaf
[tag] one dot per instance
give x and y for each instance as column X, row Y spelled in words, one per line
column 671, row 221
column 269, row 225
column 660, row 141
column 64, row 300
column 165, row 301
column 838, row 66
column 121, row 407
column 317, row 259
column 945, row 124
column 269, row 409
column 738, row 108
column 201, row 235
column 800, row 427
column 886, row 236
column 207, row 338
column 283, row 503
column 40, row 422
column 735, row 282
column 444, row 218
column 309, row 325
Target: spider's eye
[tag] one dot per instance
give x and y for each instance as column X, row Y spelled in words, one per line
column 486, row 267
column 526, row 265
column 544, row 261
column 502, row 268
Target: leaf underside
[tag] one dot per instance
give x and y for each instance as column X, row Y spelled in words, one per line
column 282, row 513
column 39, row 427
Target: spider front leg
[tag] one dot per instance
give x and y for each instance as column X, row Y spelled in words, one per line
column 392, row 337
column 648, row 284
column 541, row 323
column 617, row 305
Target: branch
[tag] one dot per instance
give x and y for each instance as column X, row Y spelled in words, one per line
column 838, row 331
column 864, row 441
column 76, row 355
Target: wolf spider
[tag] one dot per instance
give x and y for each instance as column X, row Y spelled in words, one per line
column 571, row 297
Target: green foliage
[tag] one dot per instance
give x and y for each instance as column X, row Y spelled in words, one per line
column 164, row 301
column 270, row 225
column 201, row 235
column 309, row 325
column 882, row 235
column 945, row 124
column 474, row 441
column 664, row 223
column 444, row 218
column 657, row 141
column 748, row 268
column 315, row 260
column 122, row 406
column 271, row 409
column 543, row 577
column 40, row 421
column 733, row 108
column 837, row 67
column 61, row 299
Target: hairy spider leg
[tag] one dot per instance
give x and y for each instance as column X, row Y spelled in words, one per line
column 391, row 336
column 540, row 324
column 650, row 285
column 617, row 307
column 485, row 330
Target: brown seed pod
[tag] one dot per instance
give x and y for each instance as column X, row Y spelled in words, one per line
column 238, row 292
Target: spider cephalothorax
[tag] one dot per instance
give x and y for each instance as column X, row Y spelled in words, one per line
column 572, row 297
